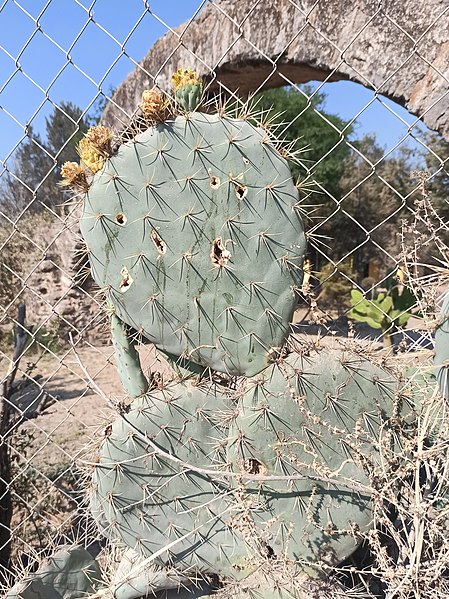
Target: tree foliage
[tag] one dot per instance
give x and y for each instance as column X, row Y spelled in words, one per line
column 32, row 180
column 362, row 193
column 373, row 202
column 312, row 129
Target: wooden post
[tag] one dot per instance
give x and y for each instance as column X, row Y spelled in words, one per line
column 5, row 457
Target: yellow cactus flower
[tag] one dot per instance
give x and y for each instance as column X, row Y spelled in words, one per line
column 90, row 156
column 184, row 77
column 73, row 175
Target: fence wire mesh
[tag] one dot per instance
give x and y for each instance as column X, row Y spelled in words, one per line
column 375, row 214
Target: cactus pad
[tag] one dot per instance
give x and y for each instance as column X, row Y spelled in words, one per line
column 194, row 232
column 157, row 505
column 70, row 573
column 319, row 418
column 442, row 348
column 127, row 359
column 279, row 469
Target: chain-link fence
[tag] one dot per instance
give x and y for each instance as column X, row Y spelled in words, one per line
column 373, row 187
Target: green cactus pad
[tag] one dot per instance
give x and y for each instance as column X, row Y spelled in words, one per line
column 70, row 573
column 215, row 483
column 127, row 359
column 318, row 417
column 442, row 348
column 135, row 578
column 159, row 506
column 194, row 232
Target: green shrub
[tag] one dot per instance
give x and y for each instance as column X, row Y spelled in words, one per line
column 336, row 282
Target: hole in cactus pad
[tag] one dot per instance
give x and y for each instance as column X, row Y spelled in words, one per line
column 219, row 255
column 160, row 244
column 241, row 191
column 268, row 551
column 253, row 466
column 120, row 218
column 126, row 281
column 214, row 182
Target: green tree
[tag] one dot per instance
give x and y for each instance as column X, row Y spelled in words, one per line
column 32, row 182
column 64, row 129
column 27, row 183
column 311, row 128
column 365, row 223
column 356, row 214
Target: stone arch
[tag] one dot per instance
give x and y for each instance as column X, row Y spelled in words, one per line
column 399, row 49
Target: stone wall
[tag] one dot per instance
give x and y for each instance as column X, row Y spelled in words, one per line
column 400, row 49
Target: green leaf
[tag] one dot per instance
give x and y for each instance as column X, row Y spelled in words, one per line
column 403, row 319
column 356, row 296
column 386, row 304
column 375, row 324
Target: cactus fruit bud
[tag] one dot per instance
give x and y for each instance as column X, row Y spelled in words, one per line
column 188, row 89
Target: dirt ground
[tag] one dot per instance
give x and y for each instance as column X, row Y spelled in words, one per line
column 84, row 385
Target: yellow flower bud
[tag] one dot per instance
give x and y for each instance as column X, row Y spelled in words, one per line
column 153, row 105
column 90, row 156
column 73, row 175
column 184, row 77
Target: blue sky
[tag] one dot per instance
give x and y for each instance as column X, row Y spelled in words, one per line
column 50, row 55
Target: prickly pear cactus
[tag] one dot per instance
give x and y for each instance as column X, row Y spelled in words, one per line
column 194, row 232
column 311, row 426
column 219, row 481
column 157, row 486
column 388, row 311
column 70, row 573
